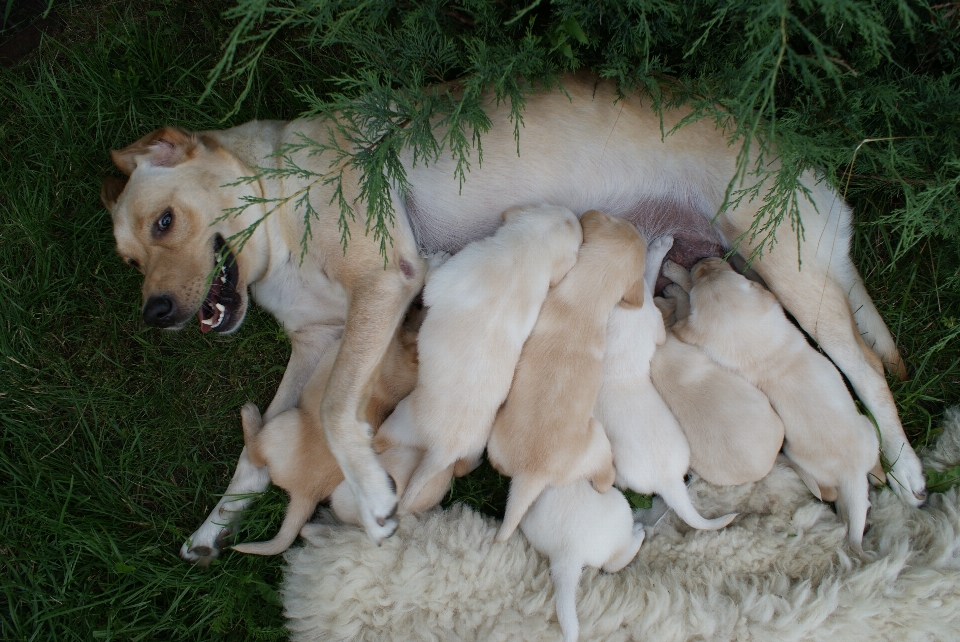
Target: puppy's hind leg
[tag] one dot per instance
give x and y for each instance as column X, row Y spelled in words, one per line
column 626, row 555
column 524, row 490
column 252, row 424
column 299, row 510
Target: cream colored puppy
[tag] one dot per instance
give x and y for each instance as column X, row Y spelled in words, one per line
column 481, row 305
column 740, row 325
column 733, row 432
column 575, row 526
column 294, row 448
column 545, row 433
column 650, row 452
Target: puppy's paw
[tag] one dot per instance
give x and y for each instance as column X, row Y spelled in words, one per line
column 678, row 274
column 660, row 247
column 377, row 505
column 205, row 545
column 671, row 293
column 906, row 477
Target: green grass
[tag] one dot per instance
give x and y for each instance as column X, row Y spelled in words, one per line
column 115, row 437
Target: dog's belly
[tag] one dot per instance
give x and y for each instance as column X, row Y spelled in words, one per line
column 440, row 229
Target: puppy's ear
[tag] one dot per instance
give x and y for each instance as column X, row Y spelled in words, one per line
column 634, row 296
column 110, row 191
column 163, row 148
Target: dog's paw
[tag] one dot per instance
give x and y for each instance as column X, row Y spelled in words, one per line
column 205, row 545
column 377, row 505
column 906, row 477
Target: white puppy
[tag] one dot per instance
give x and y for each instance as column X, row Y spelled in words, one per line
column 481, row 306
column 650, row 452
column 575, row 526
column 740, row 325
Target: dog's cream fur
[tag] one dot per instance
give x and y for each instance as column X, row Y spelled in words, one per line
column 650, row 451
column 481, row 306
column 580, row 148
column 545, row 433
column 740, row 325
column 575, row 526
column 733, row 433
column 294, row 449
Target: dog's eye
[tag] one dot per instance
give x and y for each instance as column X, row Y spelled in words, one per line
column 165, row 220
column 133, row 263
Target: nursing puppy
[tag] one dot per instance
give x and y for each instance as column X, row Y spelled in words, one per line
column 545, row 433
column 575, row 526
column 294, row 448
column 481, row 306
column 650, row 452
column 740, row 325
column 733, row 433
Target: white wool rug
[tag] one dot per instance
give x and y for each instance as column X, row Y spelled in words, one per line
column 781, row 571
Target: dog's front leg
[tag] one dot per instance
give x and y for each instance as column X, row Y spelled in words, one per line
column 377, row 304
column 248, row 480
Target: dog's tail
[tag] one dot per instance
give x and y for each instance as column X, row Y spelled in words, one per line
column 566, row 579
column 252, row 425
column 677, row 498
column 434, row 465
column 853, row 503
column 524, row 490
column 298, row 512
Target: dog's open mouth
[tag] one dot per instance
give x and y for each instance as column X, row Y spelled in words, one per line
column 220, row 305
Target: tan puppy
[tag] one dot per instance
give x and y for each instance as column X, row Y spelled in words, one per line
column 733, row 432
column 545, row 434
column 740, row 325
column 294, row 448
column 481, row 306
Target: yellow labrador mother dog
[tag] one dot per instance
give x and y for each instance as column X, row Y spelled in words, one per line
column 579, row 148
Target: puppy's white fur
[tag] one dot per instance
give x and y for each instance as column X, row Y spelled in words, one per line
column 650, row 452
column 741, row 326
column 481, row 304
column 575, row 526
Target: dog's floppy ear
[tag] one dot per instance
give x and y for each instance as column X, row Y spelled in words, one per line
column 110, row 191
column 163, row 148
column 634, row 296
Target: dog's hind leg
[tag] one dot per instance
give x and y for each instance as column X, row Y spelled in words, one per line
column 822, row 309
column 299, row 510
column 379, row 298
column 874, row 334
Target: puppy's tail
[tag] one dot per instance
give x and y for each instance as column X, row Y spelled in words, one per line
column 566, row 578
column 524, row 490
column 298, row 512
column 252, row 424
column 853, row 503
column 432, row 467
column 677, row 498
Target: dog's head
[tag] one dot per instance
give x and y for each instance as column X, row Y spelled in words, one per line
column 618, row 241
column 708, row 266
column 165, row 221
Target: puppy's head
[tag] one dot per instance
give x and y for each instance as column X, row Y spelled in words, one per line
column 705, row 267
column 165, row 220
column 619, row 242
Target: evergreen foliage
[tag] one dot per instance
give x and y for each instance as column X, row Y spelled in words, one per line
column 864, row 91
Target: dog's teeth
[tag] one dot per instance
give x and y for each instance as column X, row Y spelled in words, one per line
column 219, row 321
column 220, row 307
column 207, row 321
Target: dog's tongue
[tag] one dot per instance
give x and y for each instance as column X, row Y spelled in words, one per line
column 209, row 323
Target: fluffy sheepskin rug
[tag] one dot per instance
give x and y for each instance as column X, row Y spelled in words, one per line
column 781, row 571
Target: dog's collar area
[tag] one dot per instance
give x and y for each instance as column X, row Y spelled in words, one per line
column 222, row 300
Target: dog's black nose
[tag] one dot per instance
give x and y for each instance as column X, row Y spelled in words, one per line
column 159, row 311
